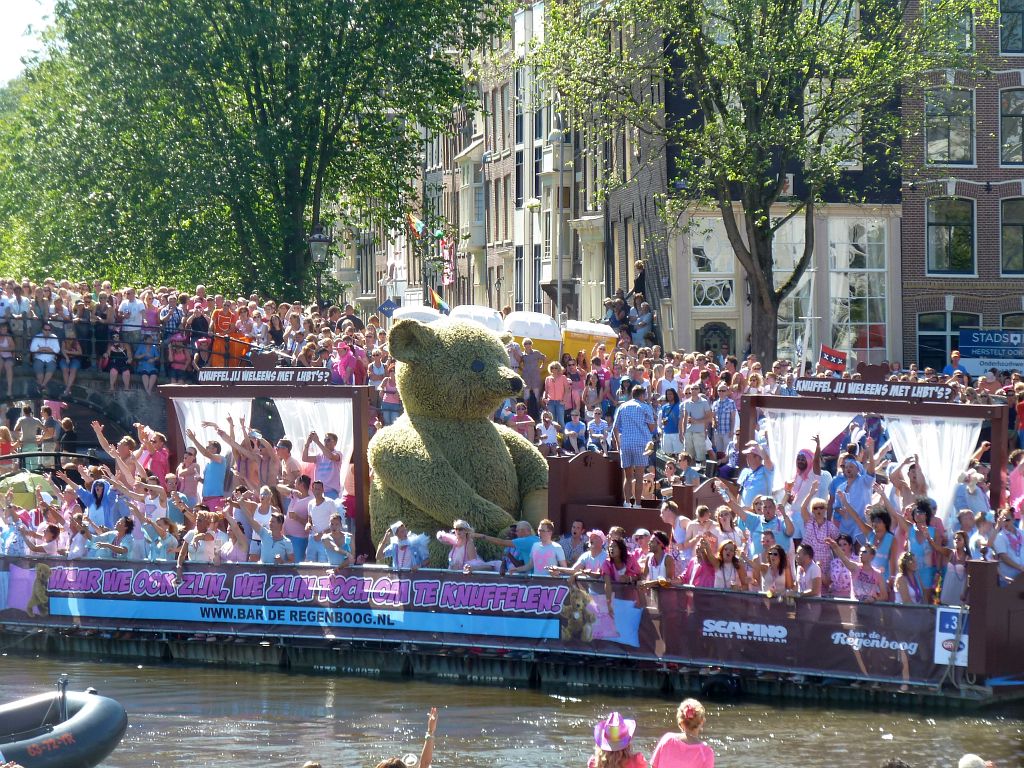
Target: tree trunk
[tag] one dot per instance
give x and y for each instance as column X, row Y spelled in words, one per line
column 764, row 330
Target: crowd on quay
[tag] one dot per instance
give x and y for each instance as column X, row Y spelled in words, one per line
column 155, row 333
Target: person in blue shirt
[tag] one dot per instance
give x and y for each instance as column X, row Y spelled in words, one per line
column 214, row 474
column 669, row 421
column 766, row 515
column 522, row 544
column 853, row 494
column 114, row 544
column 756, row 478
column 954, row 365
column 275, row 547
column 575, row 433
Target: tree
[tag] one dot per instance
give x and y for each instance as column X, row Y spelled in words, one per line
column 260, row 111
column 759, row 89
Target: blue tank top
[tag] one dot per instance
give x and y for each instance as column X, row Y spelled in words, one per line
column 213, row 478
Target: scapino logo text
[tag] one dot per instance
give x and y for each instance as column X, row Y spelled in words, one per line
column 741, row 630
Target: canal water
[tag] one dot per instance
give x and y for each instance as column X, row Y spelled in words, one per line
column 229, row 718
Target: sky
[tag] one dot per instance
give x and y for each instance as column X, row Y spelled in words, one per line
column 16, row 17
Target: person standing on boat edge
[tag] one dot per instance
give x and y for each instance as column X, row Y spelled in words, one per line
column 633, row 425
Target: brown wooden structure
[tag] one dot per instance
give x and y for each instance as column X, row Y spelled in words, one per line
column 360, row 397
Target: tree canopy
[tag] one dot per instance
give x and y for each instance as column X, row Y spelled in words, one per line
column 757, row 90
column 175, row 139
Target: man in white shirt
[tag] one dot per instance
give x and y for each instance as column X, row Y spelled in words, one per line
column 808, row 572
column 320, row 510
column 44, row 348
column 1009, row 547
column 201, row 544
column 131, row 311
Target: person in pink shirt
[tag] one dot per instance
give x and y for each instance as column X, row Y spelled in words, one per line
column 557, row 392
column 343, row 364
column 544, row 553
column 685, row 749
column 613, row 739
column 523, row 422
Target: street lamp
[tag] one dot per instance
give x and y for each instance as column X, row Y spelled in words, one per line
column 319, row 242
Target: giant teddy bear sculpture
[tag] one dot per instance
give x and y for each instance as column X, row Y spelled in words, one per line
column 445, row 458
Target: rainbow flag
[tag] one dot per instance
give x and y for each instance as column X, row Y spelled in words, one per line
column 416, row 225
column 438, row 303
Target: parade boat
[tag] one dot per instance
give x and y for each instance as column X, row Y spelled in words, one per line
column 61, row 729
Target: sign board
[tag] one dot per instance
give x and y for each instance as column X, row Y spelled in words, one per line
column 876, row 641
column 982, row 349
column 269, row 376
column 949, row 647
column 874, row 390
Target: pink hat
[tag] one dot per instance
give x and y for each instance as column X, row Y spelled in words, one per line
column 614, row 733
column 599, row 534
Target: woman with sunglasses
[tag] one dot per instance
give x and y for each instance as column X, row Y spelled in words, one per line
column 619, row 568
column 867, row 584
column 907, row 589
column 188, row 476
column 730, row 570
column 776, row 576
column 462, row 550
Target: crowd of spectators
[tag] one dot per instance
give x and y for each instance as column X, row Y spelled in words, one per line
column 137, row 337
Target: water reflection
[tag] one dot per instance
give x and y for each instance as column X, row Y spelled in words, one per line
column 228, row 718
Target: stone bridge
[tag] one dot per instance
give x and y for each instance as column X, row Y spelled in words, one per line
column 90, row 399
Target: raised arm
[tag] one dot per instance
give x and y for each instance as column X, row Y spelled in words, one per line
column 202, row 449
column 816, row 463
column 849, row 511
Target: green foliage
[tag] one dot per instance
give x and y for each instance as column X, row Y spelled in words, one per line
column 184, row 140
column 759, row 88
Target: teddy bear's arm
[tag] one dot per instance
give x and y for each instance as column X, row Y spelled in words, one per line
column 428, row 482
column 531, row 473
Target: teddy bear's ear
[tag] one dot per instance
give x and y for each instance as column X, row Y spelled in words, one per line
column 410, row 340
column 505, row 337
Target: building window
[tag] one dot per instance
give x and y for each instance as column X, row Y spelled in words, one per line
column 519, row 279
column 1011, row 126
column 538, row 163
column 1011, row 26
column 519, row 178
column 857, row 287
column 712, row 264
column 938, row 334
column 959, row 32
column 950, row 236
column 504, row 115
column 1012, row 239
column 796, row 310
column 1012, row 320
column 507, row 201
column 538, row 294
column 949, row 126
column 518, row 83
column 478, row 193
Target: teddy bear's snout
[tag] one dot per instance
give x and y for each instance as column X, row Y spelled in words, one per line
column 515, row 385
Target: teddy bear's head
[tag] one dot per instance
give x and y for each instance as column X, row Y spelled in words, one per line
column 451, row 369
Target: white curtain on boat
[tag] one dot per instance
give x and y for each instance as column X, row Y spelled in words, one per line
column 302, row 415
column 789, row 431
column 944, row 447
column 192, row 412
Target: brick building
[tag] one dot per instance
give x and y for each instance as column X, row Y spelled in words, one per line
column 963, row 198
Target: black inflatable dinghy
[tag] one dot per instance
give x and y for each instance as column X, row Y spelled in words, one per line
column 61, row 729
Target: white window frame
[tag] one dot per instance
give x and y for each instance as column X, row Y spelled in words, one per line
column 974, row 128
column 974, row 239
